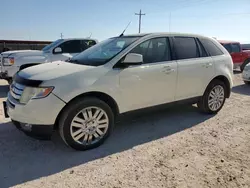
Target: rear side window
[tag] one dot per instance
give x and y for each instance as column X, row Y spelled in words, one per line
column 211, row 48
column 186, row 48
column 235, row 48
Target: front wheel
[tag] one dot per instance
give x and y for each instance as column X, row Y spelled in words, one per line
column 86, row 123
column 214, row 98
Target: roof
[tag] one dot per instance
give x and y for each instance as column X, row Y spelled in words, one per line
column 164, row 33
column 78, row 39
column 226, row 41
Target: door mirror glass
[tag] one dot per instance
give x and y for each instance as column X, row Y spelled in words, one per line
column 133, row 58
column 58, row 50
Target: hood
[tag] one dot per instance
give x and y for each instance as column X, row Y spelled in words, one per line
column 49, row 71
column 21, row 53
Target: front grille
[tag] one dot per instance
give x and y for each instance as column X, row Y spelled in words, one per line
column 16, row 90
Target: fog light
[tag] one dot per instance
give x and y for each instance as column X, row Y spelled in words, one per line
column 26, row 126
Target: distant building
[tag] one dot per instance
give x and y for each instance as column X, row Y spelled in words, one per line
column 6, row 45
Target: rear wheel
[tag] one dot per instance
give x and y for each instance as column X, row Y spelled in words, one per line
column 86, row 123
column 214, row 97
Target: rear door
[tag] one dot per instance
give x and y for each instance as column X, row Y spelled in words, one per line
column 236, row 53
column 195, row 67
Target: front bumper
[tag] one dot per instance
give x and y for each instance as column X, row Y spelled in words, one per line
column 36, row 112
column 35, row 131
column 246, row 75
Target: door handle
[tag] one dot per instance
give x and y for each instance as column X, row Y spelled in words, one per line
column 207, row 65
column 168, row 70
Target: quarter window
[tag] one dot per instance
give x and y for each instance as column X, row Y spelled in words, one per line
column 154, row 50
column 212, row 49
column 186, row 48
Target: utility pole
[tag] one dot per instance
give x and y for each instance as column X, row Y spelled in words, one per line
column 169, row 21
column 61, row 35
column 140, row 14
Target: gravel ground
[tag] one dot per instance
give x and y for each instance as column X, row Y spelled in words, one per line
column 175, row 147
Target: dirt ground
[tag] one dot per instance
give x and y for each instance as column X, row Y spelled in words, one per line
column 175, row 147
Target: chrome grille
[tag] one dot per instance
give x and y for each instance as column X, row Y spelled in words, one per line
column 16, row 90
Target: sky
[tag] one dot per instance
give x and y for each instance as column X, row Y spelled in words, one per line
column 47, row 19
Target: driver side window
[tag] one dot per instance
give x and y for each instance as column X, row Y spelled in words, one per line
column 154, row 50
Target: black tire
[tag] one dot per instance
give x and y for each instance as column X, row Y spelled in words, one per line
column 72, row 110
column 203, row 102
column 242, row 67
column 247, row 82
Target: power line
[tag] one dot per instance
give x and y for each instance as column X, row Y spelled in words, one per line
column 140, row 14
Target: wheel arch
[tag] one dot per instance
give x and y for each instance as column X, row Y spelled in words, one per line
column 225, row 80
column 100, row 95
column 247, row 60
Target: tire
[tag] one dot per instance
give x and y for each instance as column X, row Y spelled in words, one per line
column 247, row 82
column 203, row 103
column 72, row 112
column 244, row 64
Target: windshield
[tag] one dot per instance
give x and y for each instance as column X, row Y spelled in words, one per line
column 103, row 52
column 52, row 45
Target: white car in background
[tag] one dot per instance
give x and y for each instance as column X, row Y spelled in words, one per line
column 82, row 97
column 61, row 49
column 246, row 74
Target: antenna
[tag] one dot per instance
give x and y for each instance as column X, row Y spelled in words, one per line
column 125, row 29
column 90, row 35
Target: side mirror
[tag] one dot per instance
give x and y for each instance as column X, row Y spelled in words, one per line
column 133, row 58
column 58, row 50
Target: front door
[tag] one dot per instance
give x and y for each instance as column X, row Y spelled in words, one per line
column 69, row 49
column 153, row 82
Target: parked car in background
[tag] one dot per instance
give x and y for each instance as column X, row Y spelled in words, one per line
column 240, row 57
column 245, row 46
column 62, row 49
column 120, row 74
column 246, row 74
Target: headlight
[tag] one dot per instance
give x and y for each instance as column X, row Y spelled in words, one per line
column 9, row 61
column 35, row 93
